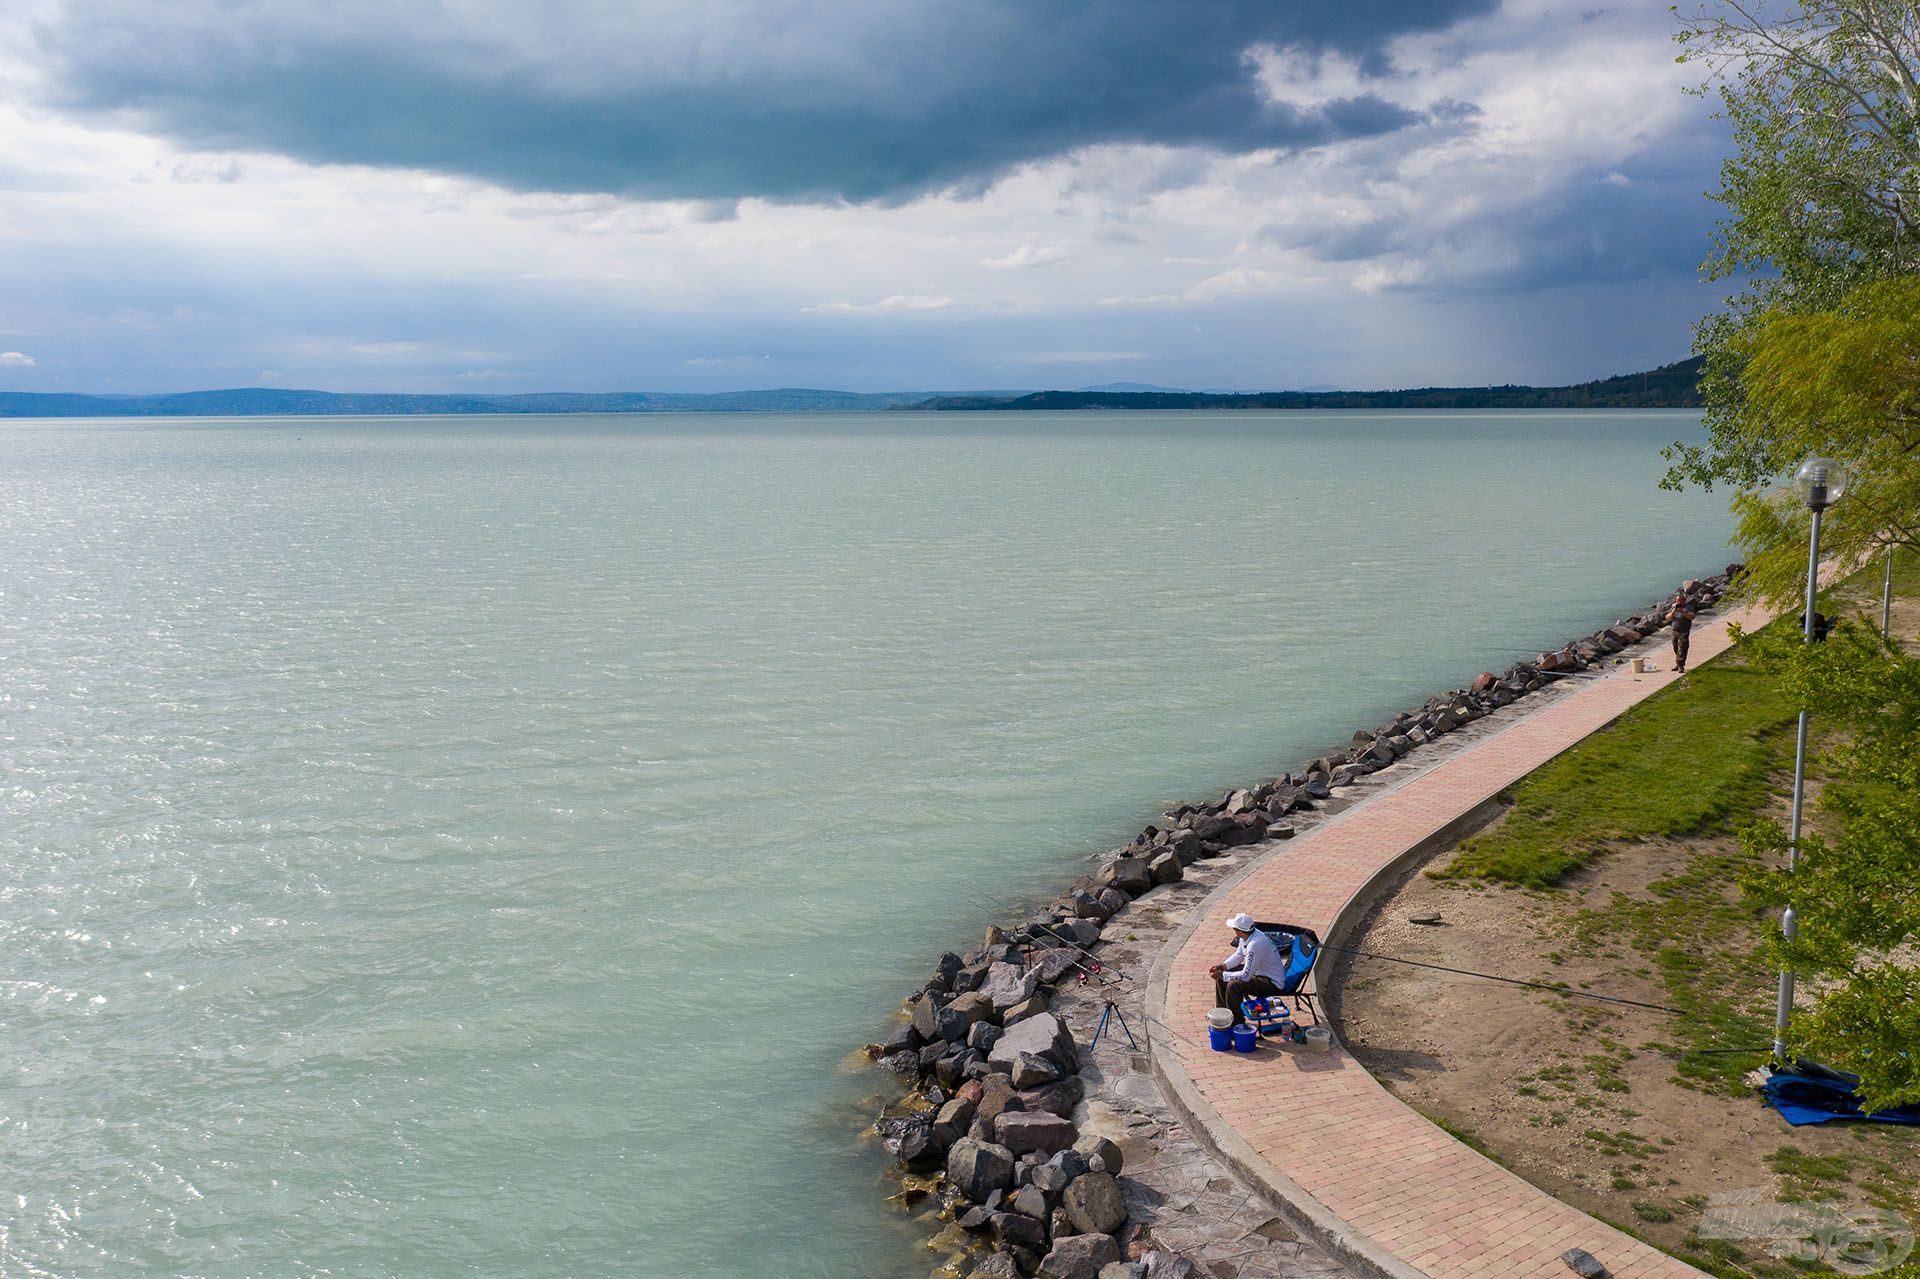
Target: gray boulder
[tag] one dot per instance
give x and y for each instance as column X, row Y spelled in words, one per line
column 1023, row 1130
column 1044, row 1035
column 1165, row 868
column 1070, row 1162
column 996, row 1097
column 983, row 1036
column 1033, row 1071
column 1128, row 874
column 978, row 1168
column 1024, row 1009
column 974, row 1006
column 1017, row 1230
column 1056, row 1098
column 1032, row 1201
column 1079, row 1257
column 1124, row 1270
column 952, row 1121
column 998, row 1266
column 926, row 1014
column 951, row 1025
column 1007, row 985
column 1091, row 1145
column 1052, row 963
column 1094, row 1205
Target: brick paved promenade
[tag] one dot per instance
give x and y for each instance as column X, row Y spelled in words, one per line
column 1371, row 1177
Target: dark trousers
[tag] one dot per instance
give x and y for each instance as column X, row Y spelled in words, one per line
column 1680, row 639
column 1228, row 994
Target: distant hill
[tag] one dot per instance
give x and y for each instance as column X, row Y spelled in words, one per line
column 1672, row 386
column 1137, row 386
column 273, row 402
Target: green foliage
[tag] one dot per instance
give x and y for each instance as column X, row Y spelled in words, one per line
column 1843, row 383
column 1823, row 202
column 1685, row 761
column 1857, row 892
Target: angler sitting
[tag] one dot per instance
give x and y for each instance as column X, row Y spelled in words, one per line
column 1256, row 967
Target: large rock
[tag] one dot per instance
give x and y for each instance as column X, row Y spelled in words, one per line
column 1032, row 1201
column 1024, row 1009
column 1128, row 874
column 1076, row 932
column 1000, row 1265
column 1165, row 868
column 952, row 1122
column 1094, row 1205
column 1007, row 985
column 975, row 1006
column 978, row 1168
column 926, row 1017
column 1044, row 1035
column 996, row 1096
column 1017, row 1230
column 1030, row 1070
column 1056, row 1099
column 1022, row 1131
column 1079, row 1257
column 1252, row 833
column 1093, row 1145
column 952, row 1024
column 1052, row 963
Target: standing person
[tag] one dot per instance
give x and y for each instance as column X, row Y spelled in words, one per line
column 1681, row 618
column 1256, row 967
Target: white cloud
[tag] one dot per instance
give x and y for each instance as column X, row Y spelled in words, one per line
column 893, row 302
column 14, row 359
column 1028, row 255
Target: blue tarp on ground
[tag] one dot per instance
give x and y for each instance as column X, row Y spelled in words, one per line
column 1811, row 1099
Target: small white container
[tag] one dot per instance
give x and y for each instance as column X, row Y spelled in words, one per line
column 1220, row 1018
column 1319, row 1039
column 1638, row 665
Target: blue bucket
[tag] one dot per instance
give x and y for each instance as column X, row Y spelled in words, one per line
column 1221, row 1041
column 1244, row 1038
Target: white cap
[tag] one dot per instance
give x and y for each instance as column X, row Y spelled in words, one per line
column 1241, row 923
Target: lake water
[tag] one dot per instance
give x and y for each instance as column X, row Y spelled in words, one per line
column 471, row 846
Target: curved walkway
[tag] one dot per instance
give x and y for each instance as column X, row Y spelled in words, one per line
column 1369, row 1176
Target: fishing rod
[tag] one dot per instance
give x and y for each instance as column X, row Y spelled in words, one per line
column 1549, row 987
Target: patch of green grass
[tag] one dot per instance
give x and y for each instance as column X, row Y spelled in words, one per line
column 1790, row 1162
column 1652, row 1210
column 1687, row 760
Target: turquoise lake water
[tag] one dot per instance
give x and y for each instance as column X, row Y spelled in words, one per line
column 471, row 846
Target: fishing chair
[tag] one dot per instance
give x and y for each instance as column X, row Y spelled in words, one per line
column 1302, row 948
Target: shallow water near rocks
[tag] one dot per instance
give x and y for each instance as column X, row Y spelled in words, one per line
column 471, row 846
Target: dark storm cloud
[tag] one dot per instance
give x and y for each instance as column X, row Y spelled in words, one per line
column 863, row 100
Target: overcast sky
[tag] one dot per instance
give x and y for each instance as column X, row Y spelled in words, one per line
column 487, row 195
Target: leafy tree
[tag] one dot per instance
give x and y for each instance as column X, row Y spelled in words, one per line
column 1843, row 382
column 1858, row 893
column 1823, row 198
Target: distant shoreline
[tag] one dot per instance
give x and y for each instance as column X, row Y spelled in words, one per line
column 1672, row 386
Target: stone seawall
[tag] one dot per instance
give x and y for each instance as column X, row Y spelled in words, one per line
column 989, row 1124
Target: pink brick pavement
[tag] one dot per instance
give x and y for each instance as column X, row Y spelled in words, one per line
column 1410, row 1195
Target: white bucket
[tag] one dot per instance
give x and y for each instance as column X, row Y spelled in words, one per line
column 1220, row 1018
column 1319, row 1039
column 1637, row 665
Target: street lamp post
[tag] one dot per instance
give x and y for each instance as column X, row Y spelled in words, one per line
column 1886, row 597
column 1822, row 482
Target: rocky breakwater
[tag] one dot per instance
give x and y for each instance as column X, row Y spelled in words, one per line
column 986, row 1129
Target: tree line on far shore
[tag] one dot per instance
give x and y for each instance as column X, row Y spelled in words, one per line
column 1671, row 386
